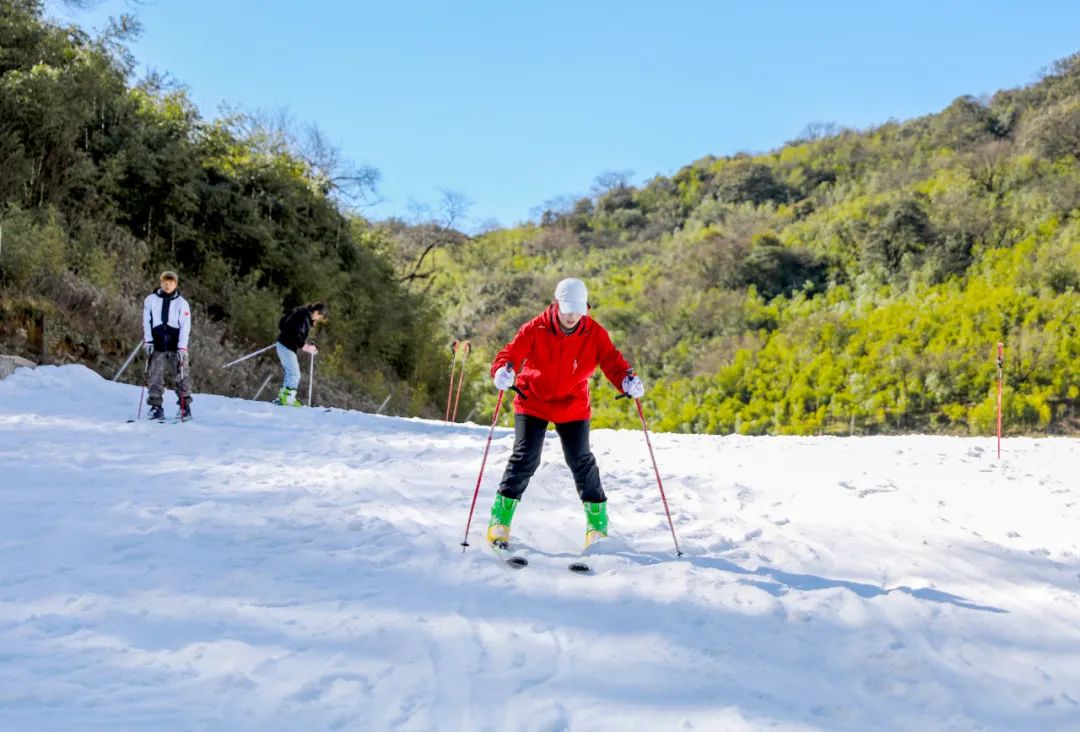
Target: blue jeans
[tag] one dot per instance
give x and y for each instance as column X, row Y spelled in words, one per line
column 292, row 366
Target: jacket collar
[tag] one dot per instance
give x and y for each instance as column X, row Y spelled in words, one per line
column 161, row 293
column 551, row 320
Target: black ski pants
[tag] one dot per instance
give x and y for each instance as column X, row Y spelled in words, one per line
column 529, row 441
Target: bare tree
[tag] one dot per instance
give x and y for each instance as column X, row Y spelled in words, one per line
column 339, row 177
column 486, row 226
column 277, row 132
column 88, row 4
column 431, row 229
column 818, row 131
column 553, row 208
column 611, row 180
column 453, row 206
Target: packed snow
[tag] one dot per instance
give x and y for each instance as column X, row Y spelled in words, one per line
column 273, row 568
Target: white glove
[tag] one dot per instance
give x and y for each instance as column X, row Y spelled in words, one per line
column 633, row 386
column 309, row 348
column 504, row 378
column 148, row 347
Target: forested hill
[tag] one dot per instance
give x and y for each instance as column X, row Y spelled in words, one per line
column 107, row 181
column 851, row 281
column 848, row 282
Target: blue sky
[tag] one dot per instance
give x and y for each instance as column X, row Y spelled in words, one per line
column 516, row 103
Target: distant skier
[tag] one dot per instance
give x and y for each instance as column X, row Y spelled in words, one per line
column 560, row 350
column 293, row 336
column 166, row 330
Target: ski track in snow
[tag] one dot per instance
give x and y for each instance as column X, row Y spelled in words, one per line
column 295, row 569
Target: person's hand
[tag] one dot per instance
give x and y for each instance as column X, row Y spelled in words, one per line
column 310, row 348
column 148, row 347
column 182, row 354
column 633, row 386
column 504, row 378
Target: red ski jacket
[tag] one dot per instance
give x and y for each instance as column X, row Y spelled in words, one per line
column 554, row 368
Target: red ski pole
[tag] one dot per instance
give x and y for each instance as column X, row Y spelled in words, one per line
column 453, row 368
column 1000, row 363
column 659, row 482
column 461, row 380
column 483, row 462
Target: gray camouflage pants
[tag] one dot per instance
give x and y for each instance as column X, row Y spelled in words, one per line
column 159, row 361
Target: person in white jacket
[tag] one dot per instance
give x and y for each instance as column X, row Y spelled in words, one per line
column 166, row 330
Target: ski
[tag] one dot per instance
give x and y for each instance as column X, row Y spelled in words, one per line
column 511, row 558
column 592, row 555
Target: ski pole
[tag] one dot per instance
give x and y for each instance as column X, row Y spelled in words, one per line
column 461, row 380
column 127, row 363
column 311, row 379
column 250, row 355
column 260, row 391
column 483, row 462
column 145, row 376
column 659, row 482
column 453, row 369
column 1000, row 363
column 183, row 378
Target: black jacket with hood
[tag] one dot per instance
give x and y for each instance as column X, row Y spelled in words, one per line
column 294, row 328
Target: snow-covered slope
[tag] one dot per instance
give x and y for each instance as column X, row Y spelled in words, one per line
column 274, row 568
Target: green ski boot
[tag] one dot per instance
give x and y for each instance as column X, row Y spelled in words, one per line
column 502, row 513
column 287, row 397
column 595, row 521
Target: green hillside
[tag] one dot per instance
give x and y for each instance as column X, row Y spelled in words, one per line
column 848, row 282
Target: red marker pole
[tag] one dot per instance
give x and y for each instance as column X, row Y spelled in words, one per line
column 453, row 368
column 461, row 380
column 1000, row 364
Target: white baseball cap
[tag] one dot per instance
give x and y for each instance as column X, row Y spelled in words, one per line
column 572, row 296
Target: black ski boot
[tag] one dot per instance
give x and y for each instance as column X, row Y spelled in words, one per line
column 185, row 410
column 156, row 412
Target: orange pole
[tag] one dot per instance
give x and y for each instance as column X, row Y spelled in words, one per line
column 461, row 379
column 453, row 368
column 1000, row 363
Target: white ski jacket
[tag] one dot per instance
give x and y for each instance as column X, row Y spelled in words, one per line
column 166, row 321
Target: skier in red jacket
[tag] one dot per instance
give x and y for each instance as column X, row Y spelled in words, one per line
column 556, row 353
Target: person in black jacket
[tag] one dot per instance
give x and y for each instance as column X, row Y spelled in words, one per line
column 293, row 336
